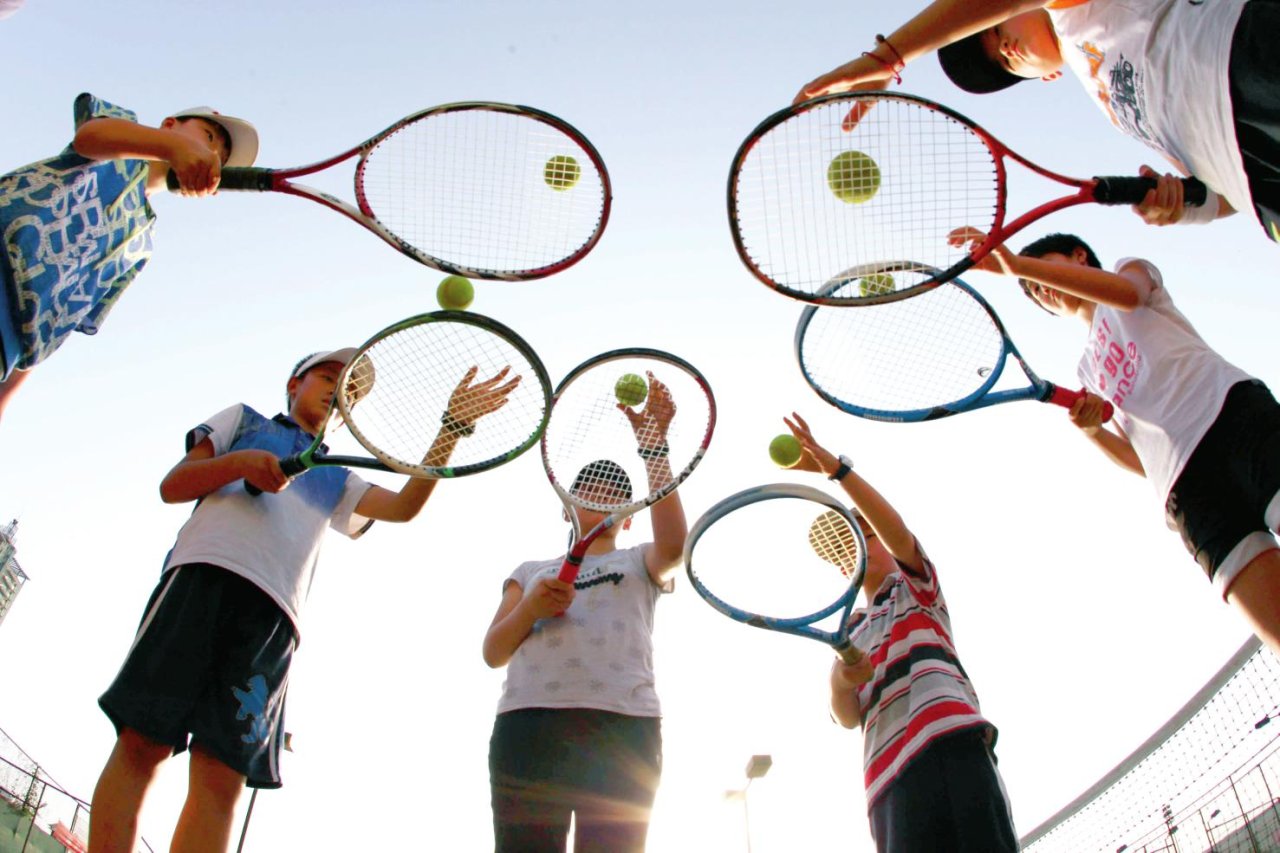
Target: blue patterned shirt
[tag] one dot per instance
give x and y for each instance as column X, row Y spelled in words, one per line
column 76, row 231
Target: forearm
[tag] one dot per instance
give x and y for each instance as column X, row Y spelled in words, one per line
column 1116, row 448
column 884, row 520
column 844, row 704
column 506, row 635
column 382, row 504
column 946, row 21
column 193, row 479
column 1086, row 282
column 115, row 138
column 667, row 517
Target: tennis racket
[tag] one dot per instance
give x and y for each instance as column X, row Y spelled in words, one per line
column 421, row 397
column 782, row 557
column 614, row 459
column 482, row 190
column 808, row 199
column 937, row 354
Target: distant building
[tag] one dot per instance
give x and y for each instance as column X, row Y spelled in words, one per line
column 11, row 575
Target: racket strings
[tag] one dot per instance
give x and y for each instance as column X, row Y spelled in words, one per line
column 485, row 189
column 936, row 348
column 413, row 373
column 832, row 539
column 805, row 208
column 587, row 427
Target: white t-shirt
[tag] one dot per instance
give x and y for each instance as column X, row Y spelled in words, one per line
column 272, row 540
column 1158, row 69
column 599, row 654
column 1166, row 383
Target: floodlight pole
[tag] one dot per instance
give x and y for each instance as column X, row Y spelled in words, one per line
column 757, row 767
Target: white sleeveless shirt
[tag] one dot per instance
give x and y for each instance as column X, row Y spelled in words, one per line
column 1158, row 69
column 1166, row 383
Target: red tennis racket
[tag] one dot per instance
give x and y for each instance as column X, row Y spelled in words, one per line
column 809, row 200
column 482, row 190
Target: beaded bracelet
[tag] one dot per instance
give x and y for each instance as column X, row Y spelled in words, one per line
column 456, row 427
column 893, row 67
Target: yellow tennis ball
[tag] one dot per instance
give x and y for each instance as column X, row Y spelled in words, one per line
column 785, row 450
column 875, row 284
column 631, row 389
column 853, row 177
column 455, row 293
column 561, row 172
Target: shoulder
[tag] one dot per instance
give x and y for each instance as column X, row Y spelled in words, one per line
column 88, row 107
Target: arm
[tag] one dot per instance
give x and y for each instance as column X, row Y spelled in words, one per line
column 198, row 167
column 201, row 472
column 517, row 614
column 1164, row 205
column 939, row 24
column 878, row 512
column 845, row 681
column 1086, row 413
column 651, row 425
column 468, row 403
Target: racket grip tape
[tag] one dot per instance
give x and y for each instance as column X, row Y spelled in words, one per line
column 1133, row 190
column 292, row 466
column 236, row 178
column 850, row 654
column 1066, row 399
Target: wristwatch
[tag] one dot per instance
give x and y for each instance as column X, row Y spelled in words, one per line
column 846, row 465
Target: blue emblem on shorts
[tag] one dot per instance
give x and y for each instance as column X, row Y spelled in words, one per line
column 253, row 704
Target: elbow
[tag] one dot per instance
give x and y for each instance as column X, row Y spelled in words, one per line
column 492, row 658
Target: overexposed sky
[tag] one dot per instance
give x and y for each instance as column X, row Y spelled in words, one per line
column 1081, row 619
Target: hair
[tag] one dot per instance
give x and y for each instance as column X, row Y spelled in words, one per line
column 1055, row 244
column 603, row 472
column 222, row 131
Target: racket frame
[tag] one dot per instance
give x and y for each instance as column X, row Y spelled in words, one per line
column 799, row 626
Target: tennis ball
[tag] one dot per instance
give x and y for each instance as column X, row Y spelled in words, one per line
column 561, row 172
column 785, row 450
column 853, row 177
column 455, row 293
column 875, row 284
column 631, row 389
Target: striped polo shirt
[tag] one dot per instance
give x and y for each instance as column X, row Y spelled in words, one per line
column 920, row 690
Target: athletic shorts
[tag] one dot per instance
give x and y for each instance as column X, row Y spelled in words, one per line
column 949, row 799
column 1254, row 79
column 1225, row 502
column 209, row 666
column 546, row 763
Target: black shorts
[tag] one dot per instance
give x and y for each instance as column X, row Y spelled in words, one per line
column 949, row 799
column 546, row 763
column 1224, row 501
column 210, row 660
column 1254, row 80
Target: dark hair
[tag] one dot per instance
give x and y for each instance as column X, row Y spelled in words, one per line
column 222, row 131
column 968, row 65
column 1055, row 244
column 603, row 472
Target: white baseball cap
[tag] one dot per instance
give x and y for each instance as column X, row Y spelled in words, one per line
column 361, row 379
column 244, row 136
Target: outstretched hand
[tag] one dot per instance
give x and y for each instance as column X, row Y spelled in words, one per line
column 999, row 261
column 651, row 423
column 472, row 400
column 813, row 456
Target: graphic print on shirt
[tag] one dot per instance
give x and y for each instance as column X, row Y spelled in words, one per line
column 597, row 575
column 1114, row 364
column 253, row 706
column 1122, row 93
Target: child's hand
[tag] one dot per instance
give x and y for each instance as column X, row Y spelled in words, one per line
column 549, row 597
column 1086, row 413
column 862, row 74
column 1164, row 204
column 813, row 456
column 261, row 468
column 651, row 423
column 1000, row 260
column 198, row 167
column 848, row 676
column 469, row 402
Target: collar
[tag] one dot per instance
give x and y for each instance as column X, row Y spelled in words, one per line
column 286, row 421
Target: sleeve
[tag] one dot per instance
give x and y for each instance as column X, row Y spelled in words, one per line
column 1152, row 270
column 925, row 588
column 344, row 517
column 88, row 107
column 222, row 430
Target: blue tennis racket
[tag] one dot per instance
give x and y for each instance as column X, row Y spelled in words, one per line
column 937, row 354
column 750, row 540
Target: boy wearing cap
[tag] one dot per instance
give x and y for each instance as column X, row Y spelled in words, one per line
column 928, row 752
column 77, row 228
column 1205, row 433
column 1198, row 82
column 578, row 730
column 209, row 665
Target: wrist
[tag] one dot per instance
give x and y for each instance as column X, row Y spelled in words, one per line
column 842, row 469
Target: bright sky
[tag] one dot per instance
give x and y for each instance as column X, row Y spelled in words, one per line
column 1081, row 619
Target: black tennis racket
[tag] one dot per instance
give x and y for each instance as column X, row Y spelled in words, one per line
column 421, row 397
column 782, row 557
column 937, row 354
column 808, row 199
column 603, row 459
column 482, row 190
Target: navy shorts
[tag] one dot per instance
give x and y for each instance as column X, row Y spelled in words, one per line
column 949, row 799
column 1254, row 80
column 546, row 763
column 1224, row 501
column 209, row 666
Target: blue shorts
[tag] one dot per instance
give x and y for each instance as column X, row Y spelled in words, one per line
column 1224, row 503
column 210, row 661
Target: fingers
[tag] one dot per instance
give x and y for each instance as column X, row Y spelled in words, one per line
column 1162, row 205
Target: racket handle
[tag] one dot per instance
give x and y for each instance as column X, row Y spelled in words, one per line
column 292, row 466
column 250, row 178
column 1066, row 399
column 1117, row 190
column 850, row 654
column 569, row 571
